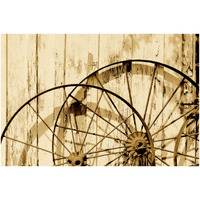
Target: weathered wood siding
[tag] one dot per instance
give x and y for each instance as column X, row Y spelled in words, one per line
column 33, row 63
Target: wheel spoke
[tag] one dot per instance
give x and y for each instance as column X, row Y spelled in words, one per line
column 113, row 105
column 92, row 119
column 148, row 98
column 106, row 136
column 181, row 154
column 34, row 146
column 70, row 125
column 49, row 127
column 108, row 154
column 130, row 97
column 174, row 121
column 106, row 150
column 114, row 159
column 71, row 142
column 60, row 111
column 95, row 134
column 59, row 158
column 172, row 138
column 100, row 115
column 166, row 103
column 76, row 124
column 162, row 160
column 186, row 135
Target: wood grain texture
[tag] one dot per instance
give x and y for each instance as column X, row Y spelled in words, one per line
column 17, row 93
column 3, row 94
column 50, row 74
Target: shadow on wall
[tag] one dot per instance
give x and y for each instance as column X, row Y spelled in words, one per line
column 42, row 129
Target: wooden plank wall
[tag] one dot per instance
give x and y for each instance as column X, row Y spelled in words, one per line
column 34, row 63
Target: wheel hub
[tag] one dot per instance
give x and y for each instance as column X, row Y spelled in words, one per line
column 137, row 143
column 77, row 159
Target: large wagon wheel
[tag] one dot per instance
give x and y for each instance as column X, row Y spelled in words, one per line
column 186, row 151
column 115, row 139
column 175, row 98
column 99, row 130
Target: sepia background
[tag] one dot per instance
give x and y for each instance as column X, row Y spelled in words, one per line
column 32, row 63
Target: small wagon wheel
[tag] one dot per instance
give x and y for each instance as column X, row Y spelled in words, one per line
column 175, row 98
column 186, row 151
column 133, row 147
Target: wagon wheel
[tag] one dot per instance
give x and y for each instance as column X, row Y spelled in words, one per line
column 99, row 130
column 186, row 151
column 136, row 81
column 114, row 139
